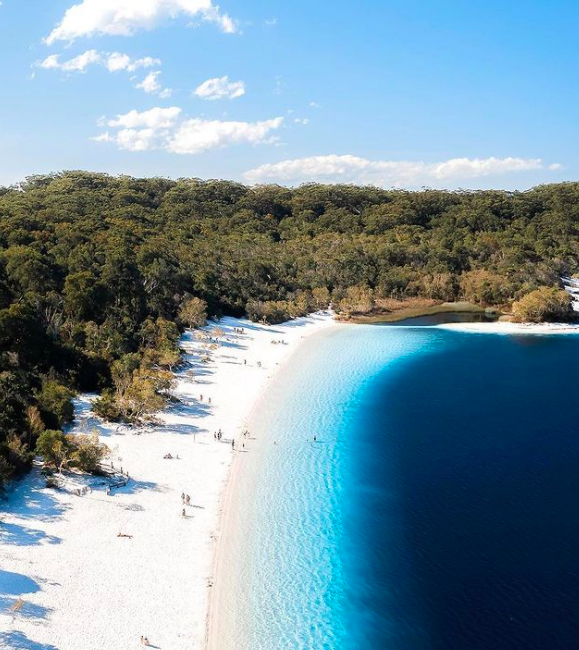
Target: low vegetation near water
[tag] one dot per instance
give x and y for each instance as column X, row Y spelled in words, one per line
column 98, row 274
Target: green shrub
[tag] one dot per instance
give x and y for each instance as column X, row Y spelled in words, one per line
column 88, row 452
column 55, row 400
column 545, row 304
column 55, row 448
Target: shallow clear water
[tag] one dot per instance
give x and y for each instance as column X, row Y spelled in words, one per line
column 437, row 509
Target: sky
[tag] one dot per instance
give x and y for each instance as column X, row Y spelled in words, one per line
column 394, row 93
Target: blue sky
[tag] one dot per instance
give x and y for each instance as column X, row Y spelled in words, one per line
column 396, row 93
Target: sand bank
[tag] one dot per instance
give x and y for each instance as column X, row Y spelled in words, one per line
column 100, row 571
column 512, row 328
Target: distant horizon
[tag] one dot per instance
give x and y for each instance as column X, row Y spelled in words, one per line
column 415, row 190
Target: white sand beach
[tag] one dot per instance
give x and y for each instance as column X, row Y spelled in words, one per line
column 98, row 571
column 501, row 327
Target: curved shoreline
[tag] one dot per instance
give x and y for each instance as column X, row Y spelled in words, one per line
column 130, row 556
column 225, row 535
column 98, row 569
column 225, row 525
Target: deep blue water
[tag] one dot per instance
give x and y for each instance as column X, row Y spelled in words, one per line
column 438, row 510
column 461, row 503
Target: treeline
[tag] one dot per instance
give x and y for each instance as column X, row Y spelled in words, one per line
column 98, row 273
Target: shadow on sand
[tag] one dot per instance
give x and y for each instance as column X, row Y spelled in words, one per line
column 17, row 535
column 19, row 641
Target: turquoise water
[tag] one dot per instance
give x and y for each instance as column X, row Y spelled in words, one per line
column 436, row 509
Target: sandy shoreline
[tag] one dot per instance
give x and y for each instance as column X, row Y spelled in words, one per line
column 512, row 328
column 232, row 510
column 85, row 587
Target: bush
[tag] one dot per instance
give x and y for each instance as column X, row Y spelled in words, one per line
column 84, row 452
column 193, row 312
column 106, row 406
column 485, row 287
column 54, row 400
column 268, row 311
column 19, row 454
column 88, row 452
column 139, row 392
column 321, row 298
column 546, row 304
column 6, row 471
column 54, row 447
column 357, row 300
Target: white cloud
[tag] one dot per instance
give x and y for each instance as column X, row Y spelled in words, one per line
column 113, row 61
column 155, row 118
column 151, row 86
column 302, row 120
column 126, row 17
column 103, row 137
column 195, row 136
column 50, row 63
column 78, row 64
column 116, row 62
column 388, row 173
column 163, row 128
column 220, row 88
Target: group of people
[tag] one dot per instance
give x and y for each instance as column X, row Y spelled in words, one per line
column 201, row 399
column 279, row 342
column 170, row 456
column 244, row 435
column 186, row 501
column 239, row 330
column 145, row 641
column 218, row 435
column 258, row 363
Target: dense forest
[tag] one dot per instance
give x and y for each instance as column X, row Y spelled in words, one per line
column 99, row 273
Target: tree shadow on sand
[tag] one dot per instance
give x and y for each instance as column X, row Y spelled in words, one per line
column 17, row 535
column 19, row 641
column 133, row 487
column 31, row 500
column 17, row 585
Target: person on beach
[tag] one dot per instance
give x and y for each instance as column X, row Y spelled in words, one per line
column 315, row 438
column 182, row 497
column 233, row 444
column 184, row 513
column 187, row 500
